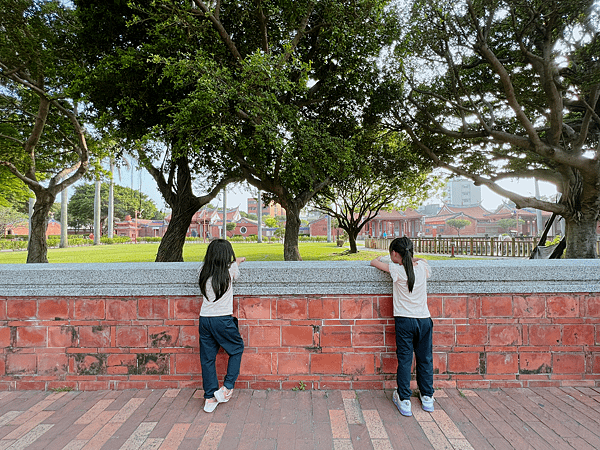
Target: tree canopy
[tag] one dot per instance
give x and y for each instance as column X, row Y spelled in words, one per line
column 271, row 90
column 494, row 90
column 458, row 223
column 42, row 141
column 126, row 202
column 389, row 175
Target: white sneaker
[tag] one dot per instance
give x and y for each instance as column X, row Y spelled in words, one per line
column 403, row 406
column 210, row 406
column 223, row 395
column 427, row 403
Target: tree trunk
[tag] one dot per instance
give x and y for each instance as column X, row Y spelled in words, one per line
column 291, row 251
column 352, row 240
column 171, row 245
column 37, row 247
column 581, row 238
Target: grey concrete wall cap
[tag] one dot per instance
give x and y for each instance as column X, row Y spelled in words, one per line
column 298, row 278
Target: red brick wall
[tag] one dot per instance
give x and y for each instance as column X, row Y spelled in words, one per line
column 342, row 342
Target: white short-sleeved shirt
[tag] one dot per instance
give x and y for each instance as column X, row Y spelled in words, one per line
column 410, row 304
column 223, row 306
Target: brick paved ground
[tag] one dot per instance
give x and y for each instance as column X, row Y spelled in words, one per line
column 535, row 418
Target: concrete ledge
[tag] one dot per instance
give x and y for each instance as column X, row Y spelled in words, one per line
column 297, row 278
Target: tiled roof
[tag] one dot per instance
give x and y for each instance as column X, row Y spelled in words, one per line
column 476, row 212
column 398, row 215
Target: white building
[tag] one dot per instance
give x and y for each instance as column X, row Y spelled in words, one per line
column 462, row 192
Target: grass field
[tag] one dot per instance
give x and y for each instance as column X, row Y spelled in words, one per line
column 310, row 251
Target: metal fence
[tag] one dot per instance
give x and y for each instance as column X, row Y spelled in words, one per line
column 468, row 246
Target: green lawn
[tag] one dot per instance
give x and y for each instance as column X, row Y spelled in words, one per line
column 310, row 251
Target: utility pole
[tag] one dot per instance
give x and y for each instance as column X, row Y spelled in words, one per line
column 225, row 213
column 328, row 228
column 259, row 215
column 64, row 240
column 97, row 212
column 111, row 200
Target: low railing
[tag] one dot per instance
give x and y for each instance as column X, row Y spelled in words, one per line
column 466, row 246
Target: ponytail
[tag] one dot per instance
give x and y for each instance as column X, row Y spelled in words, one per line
column 404, row 247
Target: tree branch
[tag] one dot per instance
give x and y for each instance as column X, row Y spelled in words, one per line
column 220, row 29
column 299, row 33
column 519, row 200
column 262, row 20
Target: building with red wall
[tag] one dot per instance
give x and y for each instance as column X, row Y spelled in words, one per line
column 484, row 222
column 394, row 223
column 22, row 229
column 318, row 227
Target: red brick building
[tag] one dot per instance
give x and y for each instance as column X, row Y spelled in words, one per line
column 135, row 228
column 22, row 229
column 394, row 224
column 484, row 222
column 208, row 222
column 318, row 227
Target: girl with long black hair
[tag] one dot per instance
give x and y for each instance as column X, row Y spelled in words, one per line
column 218, row 327
column 414, row 327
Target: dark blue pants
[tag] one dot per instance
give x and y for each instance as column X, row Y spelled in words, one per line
column 414, row 336
column 218, row 332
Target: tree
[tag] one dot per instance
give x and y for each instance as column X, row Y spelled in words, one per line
column 508, row 222
column 10, row 217
column 389, row 175
column 126, row 202
column 458, row 224
column 42, row 141
column 508, row 89
column 271, row 222
column 270, row 89
column 137, row 108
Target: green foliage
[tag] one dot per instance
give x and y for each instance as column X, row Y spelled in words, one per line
column 301, row 386
column 389, row 175
column 495, row 90
column 14, row 192
column 507, row 223
column 311, row 251
column 74, row 241
column 42, row 140
column 6, row 244
column 271, row 222
column 10, row 217
column 274, row 95
column 126, row 202
column 458, row 224
column 149, row 239
column 38, row 60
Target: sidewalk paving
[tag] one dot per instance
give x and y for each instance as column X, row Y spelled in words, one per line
column 518, row 418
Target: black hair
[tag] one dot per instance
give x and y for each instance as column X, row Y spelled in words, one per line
column 217, row 261
column 404, row 247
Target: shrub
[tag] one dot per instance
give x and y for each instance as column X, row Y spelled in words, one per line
column 115, row 240
column 149, row 239
column 13, row 244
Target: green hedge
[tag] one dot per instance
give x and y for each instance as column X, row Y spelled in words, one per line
column 149, row 239
column 13, row 245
